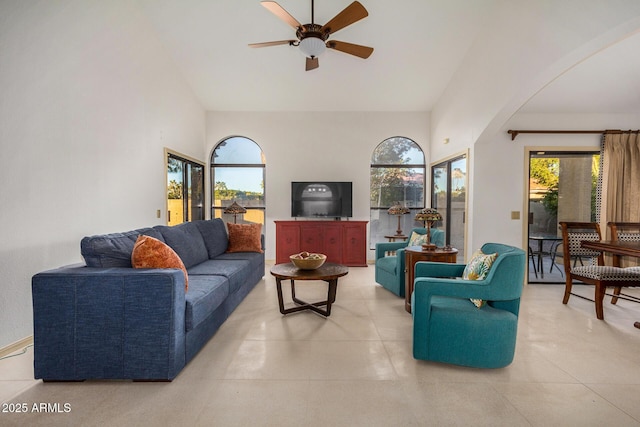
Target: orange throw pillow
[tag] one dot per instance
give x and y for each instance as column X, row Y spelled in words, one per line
column 244, row 237
column 149, row 252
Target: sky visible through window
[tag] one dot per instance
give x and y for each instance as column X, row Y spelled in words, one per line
column 239, row 151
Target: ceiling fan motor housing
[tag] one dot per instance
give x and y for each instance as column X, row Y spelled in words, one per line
column 312, row 40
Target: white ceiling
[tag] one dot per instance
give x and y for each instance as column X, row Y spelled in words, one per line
column 209, row 38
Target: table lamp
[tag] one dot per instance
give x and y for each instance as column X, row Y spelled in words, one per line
column 235, row 209
column 398, row 210
column 428, row 216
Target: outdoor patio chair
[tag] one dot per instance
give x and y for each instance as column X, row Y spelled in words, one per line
column 532, row 257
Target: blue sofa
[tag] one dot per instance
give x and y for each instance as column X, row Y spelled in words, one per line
column 107, row 320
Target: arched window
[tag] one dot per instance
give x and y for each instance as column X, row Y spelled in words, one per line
column 237, row 175
column 397, row 176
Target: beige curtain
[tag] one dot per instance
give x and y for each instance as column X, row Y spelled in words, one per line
column 620, row 179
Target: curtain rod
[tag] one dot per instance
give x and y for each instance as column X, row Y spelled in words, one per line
column 515, row 133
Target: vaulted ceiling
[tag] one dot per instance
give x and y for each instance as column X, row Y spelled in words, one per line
column 419, row 45
column 607, row 82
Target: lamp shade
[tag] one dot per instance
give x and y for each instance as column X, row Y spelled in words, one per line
column 234, row 209
column 428, row 215
column 398, row 209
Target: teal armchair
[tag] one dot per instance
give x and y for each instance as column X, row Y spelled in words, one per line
column 389, row 269
column 449, row 328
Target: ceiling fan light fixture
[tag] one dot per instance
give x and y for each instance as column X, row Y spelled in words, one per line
column 312, row 47
column 311, row 39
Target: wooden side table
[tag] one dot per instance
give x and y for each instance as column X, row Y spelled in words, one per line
column 414, row 254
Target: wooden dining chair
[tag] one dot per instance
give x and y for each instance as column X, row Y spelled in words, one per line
column 625, row 232
column 593, row 272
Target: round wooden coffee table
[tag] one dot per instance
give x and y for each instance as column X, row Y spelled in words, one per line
column 328, row 272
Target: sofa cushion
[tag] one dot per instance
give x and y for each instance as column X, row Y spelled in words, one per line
column 479, row 265
column 187, row 241
column 417, row 239
column 387, row 263
column 256, row 260
column 236, row 271
column 477, row 269
column 205, row 295
column 244, row 238
column 113, row 250
column 214, row 234
column 152, row 253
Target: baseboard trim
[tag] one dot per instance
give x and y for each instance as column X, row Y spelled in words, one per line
column 18, row 345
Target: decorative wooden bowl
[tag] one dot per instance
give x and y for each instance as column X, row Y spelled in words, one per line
column 308, row 262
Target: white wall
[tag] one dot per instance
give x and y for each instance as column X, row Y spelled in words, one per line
column 315, row 146
column 500, row 167
column 524, row 47
column 89, row 100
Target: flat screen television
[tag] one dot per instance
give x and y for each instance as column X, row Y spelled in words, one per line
column 321, row 199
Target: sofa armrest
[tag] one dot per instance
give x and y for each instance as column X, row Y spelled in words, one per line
column 438, row 269
column 384, row 247
column 427, row 287
column 108, row 323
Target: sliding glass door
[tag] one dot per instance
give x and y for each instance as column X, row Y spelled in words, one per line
column 562, row 187
column 449, row 197
column 185, row 189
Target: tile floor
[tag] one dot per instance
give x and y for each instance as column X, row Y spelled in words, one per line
column 355, row 369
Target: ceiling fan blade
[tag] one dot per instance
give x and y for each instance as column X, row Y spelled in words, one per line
column 279, row 11
column 312, row 64
column 352, row 13
column 267, row 44
column 350, row 48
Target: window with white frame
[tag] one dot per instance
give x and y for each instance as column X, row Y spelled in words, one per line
column 397, row 176
column 238, row 175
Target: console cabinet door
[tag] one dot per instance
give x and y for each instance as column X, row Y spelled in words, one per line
column 354, row 240
column 287, row 242
column 311, row 238
column 333, row 243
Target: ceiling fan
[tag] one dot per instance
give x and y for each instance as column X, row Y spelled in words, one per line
column 312, row 39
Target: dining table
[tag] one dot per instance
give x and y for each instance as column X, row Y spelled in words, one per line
column 617, row 248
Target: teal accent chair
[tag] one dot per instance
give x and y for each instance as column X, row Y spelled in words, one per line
column 449, row 328
column 390, row 268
